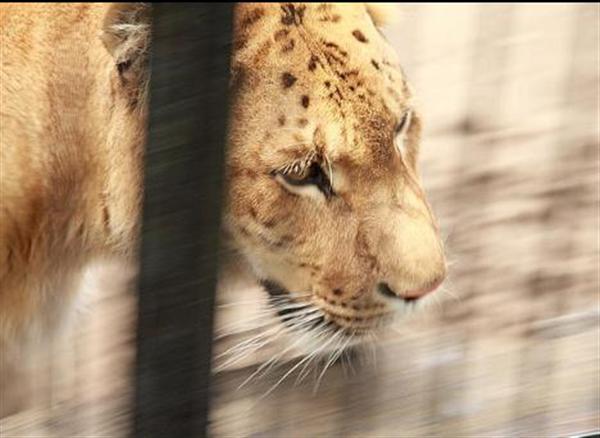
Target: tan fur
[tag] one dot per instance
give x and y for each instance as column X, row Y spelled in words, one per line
column 71, row 144
column 378, row 227
column 306, row 79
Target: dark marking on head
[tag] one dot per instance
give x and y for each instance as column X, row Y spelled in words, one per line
column 239, row 43
column 327, row 84
column 359, row 36
column 302, row 122
column 252, row 17
column 375, row 64
column 281, row 120
column 336, row 48
column 312, row 63
column 270, row 223
column 292, row 14
column 288, row 79
column 280, row 34
column 337, row 292
column 288, row 46
column 337, row 96
column 305, row 101
column 334, row 18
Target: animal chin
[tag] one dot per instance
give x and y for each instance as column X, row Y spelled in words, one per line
column 327, row 336
column 302, row 316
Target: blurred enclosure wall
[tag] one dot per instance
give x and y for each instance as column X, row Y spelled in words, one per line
column 510, row 97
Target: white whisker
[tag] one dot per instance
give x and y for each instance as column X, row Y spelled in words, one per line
column 294, row 368
column 340, row 347
column 266, row 366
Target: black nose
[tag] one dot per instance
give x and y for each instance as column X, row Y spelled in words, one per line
column 387, row 291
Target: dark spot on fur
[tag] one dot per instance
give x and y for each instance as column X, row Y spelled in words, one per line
column 337, row 292
column 239, row 43
column 335, row 18
column 292, row 14
column 288, row 79
column 336, row 48
column 327, row 84
column 302, row 122
column 312, row 63
column 281, row 120
column 305, row 101
column 288, row 46
column 375, row 64
column 252, row 17
column 252, row 212
column 106, row 217
column 359, row 36
column 281, row 34
column 269, row 223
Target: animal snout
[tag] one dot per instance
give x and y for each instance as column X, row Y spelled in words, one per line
column 412, row 294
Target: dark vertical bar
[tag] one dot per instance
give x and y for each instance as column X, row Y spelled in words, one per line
column 184, row 161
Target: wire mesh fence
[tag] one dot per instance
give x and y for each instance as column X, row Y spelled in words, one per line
column 510, row 97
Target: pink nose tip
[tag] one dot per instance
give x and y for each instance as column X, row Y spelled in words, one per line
column 410, row 295
column 421, row 292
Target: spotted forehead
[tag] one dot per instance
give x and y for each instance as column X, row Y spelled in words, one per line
column 329, row 63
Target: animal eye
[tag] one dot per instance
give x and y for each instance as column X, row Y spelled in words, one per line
column 312, row 174
column 403, row 125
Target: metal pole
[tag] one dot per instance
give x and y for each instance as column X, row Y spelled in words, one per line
column 184, row 162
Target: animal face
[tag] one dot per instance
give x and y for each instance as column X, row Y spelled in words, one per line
column 324, row 197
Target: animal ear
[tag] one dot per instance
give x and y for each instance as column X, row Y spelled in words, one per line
column 126, row 36
column 383, row 13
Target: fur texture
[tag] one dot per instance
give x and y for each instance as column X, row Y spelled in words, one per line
column 315, row 88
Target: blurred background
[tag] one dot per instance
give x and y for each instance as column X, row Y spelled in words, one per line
column 510, row 96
